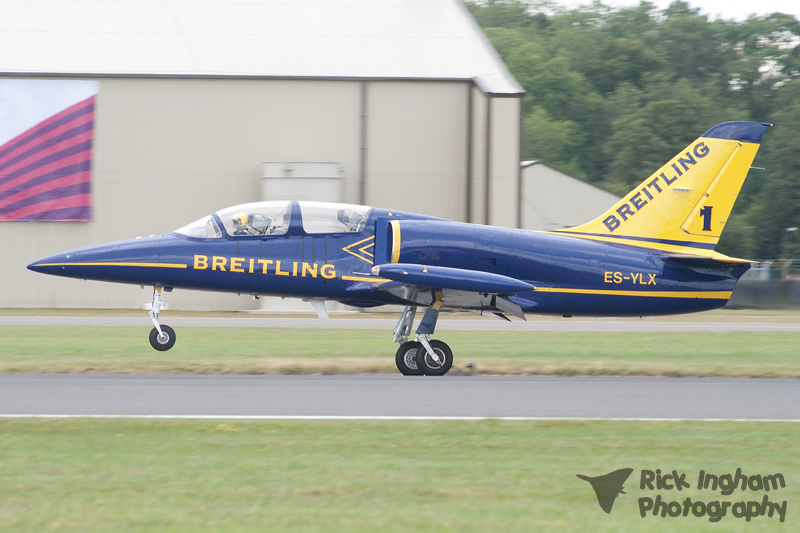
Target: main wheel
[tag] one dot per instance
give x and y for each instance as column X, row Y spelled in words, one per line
column 406, row 358
column 429, row 366
column 164, row 342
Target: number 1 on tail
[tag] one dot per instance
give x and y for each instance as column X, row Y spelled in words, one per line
column 705, row 213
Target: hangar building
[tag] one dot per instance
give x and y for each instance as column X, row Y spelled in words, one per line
column 203, row 104
column 552, row 199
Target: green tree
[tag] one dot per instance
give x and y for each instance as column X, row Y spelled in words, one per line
column 776, row 205
column 613, row 93
column 555, row 141
column 500, row 14
column 650, row 126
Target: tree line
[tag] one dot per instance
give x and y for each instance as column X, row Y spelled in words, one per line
column 614, row 92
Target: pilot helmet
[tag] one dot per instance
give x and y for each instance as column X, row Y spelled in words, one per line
column 240, row 219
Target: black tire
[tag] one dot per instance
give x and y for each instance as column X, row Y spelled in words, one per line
column 164, row 344
column 406, row 359
column 429, row 366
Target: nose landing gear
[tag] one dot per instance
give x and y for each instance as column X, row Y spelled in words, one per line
column 162, row 341
column 162, row 338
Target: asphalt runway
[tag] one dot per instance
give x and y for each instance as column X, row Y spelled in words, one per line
column 486, row 323
column 396, row 396
column 387, row 397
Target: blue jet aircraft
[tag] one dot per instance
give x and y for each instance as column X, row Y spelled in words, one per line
column 651, row 254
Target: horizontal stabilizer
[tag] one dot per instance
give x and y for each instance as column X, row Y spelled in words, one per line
column 730, row 266
column 704, row 260
column 457, row 279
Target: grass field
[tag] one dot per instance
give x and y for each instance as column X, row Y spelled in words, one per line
column 84, row 475
column 188, row 475
column 296, row 351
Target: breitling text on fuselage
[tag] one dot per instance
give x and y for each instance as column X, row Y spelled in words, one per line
column 277, row 267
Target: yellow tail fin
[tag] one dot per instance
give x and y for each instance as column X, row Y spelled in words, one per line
column 687, row 201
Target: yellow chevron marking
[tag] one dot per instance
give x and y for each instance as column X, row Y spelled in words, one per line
column 362, row 252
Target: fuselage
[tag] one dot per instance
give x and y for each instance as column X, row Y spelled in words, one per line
column 571, row 275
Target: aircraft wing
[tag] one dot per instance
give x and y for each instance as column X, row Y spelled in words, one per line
column 458, row 279
column 455, row 288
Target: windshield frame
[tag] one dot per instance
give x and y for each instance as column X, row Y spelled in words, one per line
column 275, row 218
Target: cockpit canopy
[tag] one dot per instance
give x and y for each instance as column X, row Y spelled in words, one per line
column 273, row 218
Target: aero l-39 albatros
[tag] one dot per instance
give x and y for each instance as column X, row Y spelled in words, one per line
column 651, row 254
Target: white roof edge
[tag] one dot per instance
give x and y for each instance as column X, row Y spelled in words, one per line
column 316, row 39
column 487, row 88
column 507, row 82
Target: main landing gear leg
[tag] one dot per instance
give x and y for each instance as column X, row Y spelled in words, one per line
column 422, row 355
column 162, row 338
column 435, row 357
column 406, row 356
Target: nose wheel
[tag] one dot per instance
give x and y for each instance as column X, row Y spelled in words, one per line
column 162, row 338
column 162, row 341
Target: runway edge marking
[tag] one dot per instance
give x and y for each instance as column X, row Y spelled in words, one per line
column 390, row 418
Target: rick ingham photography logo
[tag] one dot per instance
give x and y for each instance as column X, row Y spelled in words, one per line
column 705, row 495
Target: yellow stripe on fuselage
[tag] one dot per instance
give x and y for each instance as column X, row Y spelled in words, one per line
column 365, row 278
column 715, row 295
column 122, row 264
column 395, row 241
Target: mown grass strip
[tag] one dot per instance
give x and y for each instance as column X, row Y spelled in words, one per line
column 200, row 475
column 63, row 349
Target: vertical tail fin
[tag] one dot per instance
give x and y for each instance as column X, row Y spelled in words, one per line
column 687, row 201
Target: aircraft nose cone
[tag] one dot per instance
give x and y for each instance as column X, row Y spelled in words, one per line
column 35, row 266
column 53, row 264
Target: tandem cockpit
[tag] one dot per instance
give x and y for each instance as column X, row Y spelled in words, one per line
column 260, row 219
